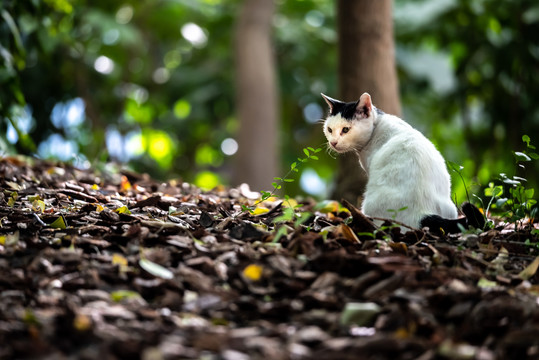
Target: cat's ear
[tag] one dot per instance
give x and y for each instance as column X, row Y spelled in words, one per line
column 364, row 106
column 332, row 103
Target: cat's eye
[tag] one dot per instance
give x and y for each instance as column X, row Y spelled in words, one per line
column 330, row 131
column 345, row 130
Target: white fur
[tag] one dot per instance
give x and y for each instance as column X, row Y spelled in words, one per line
column 404, row 168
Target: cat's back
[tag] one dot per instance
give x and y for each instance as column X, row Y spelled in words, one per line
column 402, row 144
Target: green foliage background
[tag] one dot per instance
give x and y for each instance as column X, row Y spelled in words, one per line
column 468, row 71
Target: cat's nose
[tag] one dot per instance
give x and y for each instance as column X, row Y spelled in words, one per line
column 333, row 144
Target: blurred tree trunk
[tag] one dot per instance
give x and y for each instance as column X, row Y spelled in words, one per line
column 366, row 64
column 256, row 96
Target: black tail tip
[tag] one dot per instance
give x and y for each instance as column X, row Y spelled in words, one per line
column 474, row 217
column 438, row 225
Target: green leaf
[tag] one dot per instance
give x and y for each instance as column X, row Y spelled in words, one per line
column 120, row 295
column 529, row 193
column 276, row 186
column 306, row 152
column 59, row 223
column 314, row 157
column 281, row 231
column 454, row 166
column 288, row 180
column 526, row 139
column 359, row 314
column 246, row 208
column 293, row 165
column 484, row 283
column 156, row 269
column 123, row 210
column 494, row 190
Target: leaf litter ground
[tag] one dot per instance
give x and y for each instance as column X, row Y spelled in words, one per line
column 121, row 267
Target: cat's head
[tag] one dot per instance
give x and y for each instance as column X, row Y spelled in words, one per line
column 349, row 126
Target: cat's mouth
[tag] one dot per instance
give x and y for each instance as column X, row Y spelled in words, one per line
column 337, row 148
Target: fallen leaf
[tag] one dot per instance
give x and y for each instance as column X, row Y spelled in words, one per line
column 82, row 322
column 120, row 295
column 9, row 239
column 38, row 205
column 484, row 283
column 260, row 210
column 118, row 259
column 156, row 269
column 530, row 270
column 125, row 184
column 253, row 272
column 14, row 186
column 359, row 314
column 123, row 210
column 59, row 223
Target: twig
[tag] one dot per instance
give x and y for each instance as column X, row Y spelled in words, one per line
column 395, row 222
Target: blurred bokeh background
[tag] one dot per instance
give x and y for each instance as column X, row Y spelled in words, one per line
column 157, row 85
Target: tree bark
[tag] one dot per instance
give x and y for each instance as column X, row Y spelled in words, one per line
column 256, row 96
column 366, row 64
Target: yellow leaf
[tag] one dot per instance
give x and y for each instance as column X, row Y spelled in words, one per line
column 271, row 200
column 82, row 322
column 38, row 205
column 99, row 208
column 125, row 184
column 290, row 203
column 123, row 210
column 330, row 206
column 95, row 187
column 118, row 259
column 9, row 239
column 530, row 270
column 253, row 272
column 59, row 223
column 260, row 210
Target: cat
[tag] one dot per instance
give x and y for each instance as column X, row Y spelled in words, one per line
column 405, row 171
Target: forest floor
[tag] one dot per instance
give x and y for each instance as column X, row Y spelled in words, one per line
column 123, row 267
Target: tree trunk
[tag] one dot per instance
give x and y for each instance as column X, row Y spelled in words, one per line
column 366, row 64
column 256, row 96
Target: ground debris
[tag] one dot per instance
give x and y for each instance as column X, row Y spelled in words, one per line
column 122, row 266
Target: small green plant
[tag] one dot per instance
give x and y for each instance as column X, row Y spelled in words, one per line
column 310, row 154
column 518, row 203
column 289, row 212
column 458, row 169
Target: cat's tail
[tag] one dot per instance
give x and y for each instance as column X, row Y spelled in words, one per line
column 437, row 224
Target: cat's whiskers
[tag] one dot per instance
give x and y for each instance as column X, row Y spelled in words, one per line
column 329, row 150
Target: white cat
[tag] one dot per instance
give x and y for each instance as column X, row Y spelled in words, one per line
column 404, row 168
